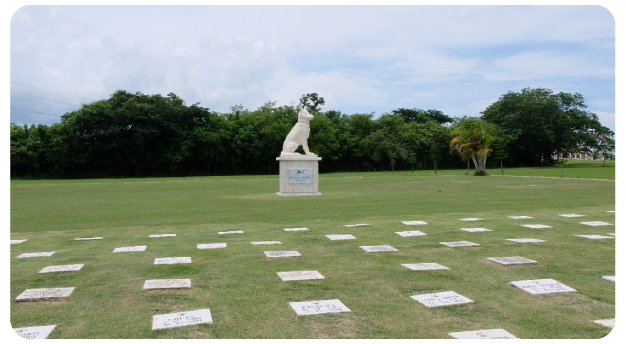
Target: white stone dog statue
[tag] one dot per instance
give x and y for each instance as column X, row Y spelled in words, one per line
column 298, row 135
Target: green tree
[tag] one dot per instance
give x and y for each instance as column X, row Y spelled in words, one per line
column 312, row 101
column 473, row 138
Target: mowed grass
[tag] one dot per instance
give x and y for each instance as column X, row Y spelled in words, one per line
column 246, row 297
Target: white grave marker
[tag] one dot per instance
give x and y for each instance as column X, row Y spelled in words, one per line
column 537, row 226
column 18, row 241
column 595, row 236
column 88, row 239
column 517, row 217
column 543, row 286
column 34, row 332
column 414, row 223
column 167, row 284
column 130, row 249
column 471, row 219
column 36, row 254
column 596, row 223
column 60, row 268
column 526, row 240
column 473, row 230
column 172, row 260
column 299, row 275
column 357, row 225
column 340, row 236
column 613, row 234
column 445, row 298
column 318, row 307
column 425, row 266
column 216, row 245
column 161, row 235
column 378, row 248
column 512, row 260
column 609, row 278
column 44, row 293
column 606, row 322
column 265, row 242
column 610, row 211
column 410, row 233
column 200, row 316
column 459, row 243
column 279, row 254
column 296, row 229
column 571, row 215
column 497, row 333
column 231, row 232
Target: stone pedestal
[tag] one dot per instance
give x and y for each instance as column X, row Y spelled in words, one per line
column 298, row 175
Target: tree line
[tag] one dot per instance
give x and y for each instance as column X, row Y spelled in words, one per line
column 136, row 135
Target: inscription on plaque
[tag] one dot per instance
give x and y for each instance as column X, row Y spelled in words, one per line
column 497, row 333
column 59, row 268
column 299, row 275
column 44, row 293
column 445, row 298
column 279, row 254
column 378, row 248
column 543, row 286
column 34, row 332
column 200, row 316
column 340, row 236
column 216, row 245
column 512, row 260
column 318, row 307
column 36, row 254
column 167, row 284
column 425, row 266
column 172, row 260
column 526, row 240
column 300, row 176
column 130, row 249
column 410, row 233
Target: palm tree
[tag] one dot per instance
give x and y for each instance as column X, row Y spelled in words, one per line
column 472, row 140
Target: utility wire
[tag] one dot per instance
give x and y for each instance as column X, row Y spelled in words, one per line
column 43, row 82
column 52, row 100
column 21, row 114
column 43, row 89
column 26, row 100
column 41, row 113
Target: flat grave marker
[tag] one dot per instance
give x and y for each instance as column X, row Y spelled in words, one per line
column 231, row 232
column 610, row 211
column 89, row 239
column 594, row 236
column 296, row 229
column 496, row 333
column 471, row 219
column 319, row 307
column 506, row 261
column 357, row 225
column 130, row 249
column 425, row 266
column 36, row 254
column 280, row 254
column 340, row 236
column 34, row 332
column 265, row 242
column 606, row 322
column 609, row 278
column 571, row 215
column 459, row 243
column 410, row 233
column 378, row 248
column 167, row 284
column 526, row 240
column 518, row 217
column 299, row 275
column 61, row 268
column 172, row 260
column 474, row 230
column 44, row 294
column 445, row 298
column 180, row 319
column 414, row 223
column 537, row 226
column 596, row 223
column 207, row 246
column 161, row 235
column 613, row 234
column 18, row 241
column 543, row 286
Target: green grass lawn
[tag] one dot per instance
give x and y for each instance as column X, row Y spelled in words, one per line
column 239, row 283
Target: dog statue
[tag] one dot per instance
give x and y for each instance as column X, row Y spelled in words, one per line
column 298, row 134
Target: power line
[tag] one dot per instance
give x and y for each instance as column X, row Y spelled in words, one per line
column 26, row 100
column 41, row 113
column 52, row 100
column 21, row 114
column 43, row 82
column 43, row 89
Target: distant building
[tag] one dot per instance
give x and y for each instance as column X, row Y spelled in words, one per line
column 582, row 155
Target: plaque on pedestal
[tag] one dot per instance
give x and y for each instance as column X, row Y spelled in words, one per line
column 298, row 175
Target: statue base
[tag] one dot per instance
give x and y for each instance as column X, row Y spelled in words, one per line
column 298, row 175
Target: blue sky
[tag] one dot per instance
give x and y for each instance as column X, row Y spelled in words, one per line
column 361, row 59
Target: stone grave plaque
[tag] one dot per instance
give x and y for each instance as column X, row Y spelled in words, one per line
column 571, row 215
column 378, row 248
column 18, row 241
column 299, row 275
column 425, row 266
column 537, row 226
column 296, row 229
column 60, row 268
column 610, row 211
column 88, row 239
column 595, row 236
column 606, row 322
column 130, row 249
column 543, row 286
column 318, row 307
column 34, row 332
column 596, row 223
column 410, row 233
column 216, row 245
column 471, row 219
column 265, row 242
column 161, row 235
column 36, row 254
column 472, row 230
column 340, row 236
column 279, row 254
column 231, row 232
column 172, row 260
column 445, row 298
column 512, row 260
column 613, row 234
column 533, row 185
column 517, row 217
column 609, row 278
column 200, row 316
column 497, row 333
column 300, row 176
column 414, row 223
column 167, row 284
column 357, row 225
column 526, row 240
column 459, row 243
column 44, row 294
